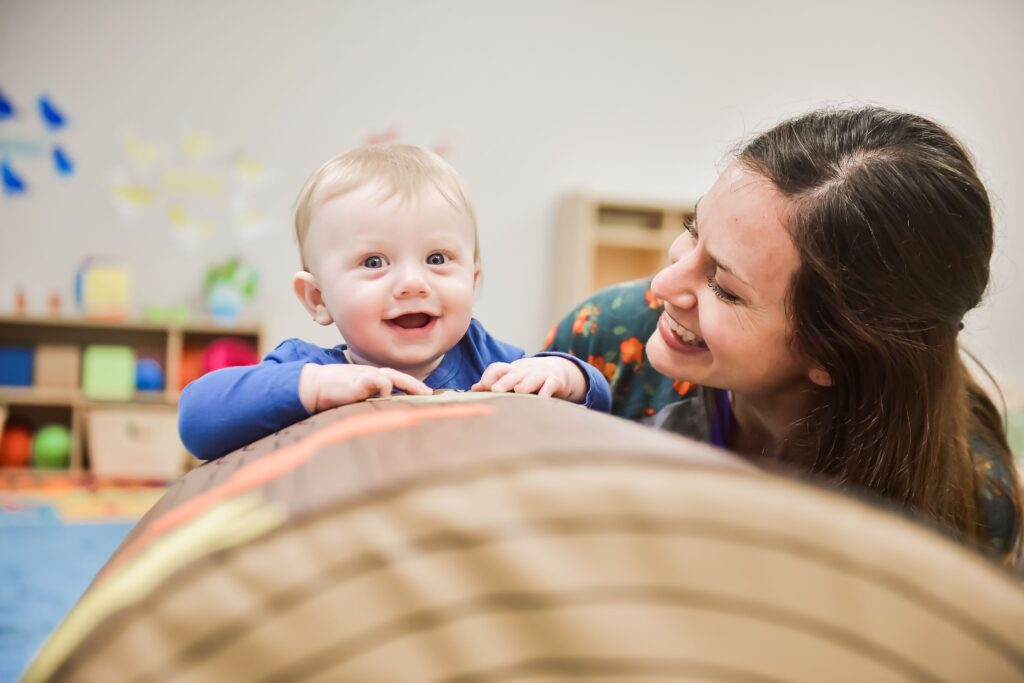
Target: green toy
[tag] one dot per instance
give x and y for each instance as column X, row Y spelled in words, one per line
column 52, row 447
column 108, row 372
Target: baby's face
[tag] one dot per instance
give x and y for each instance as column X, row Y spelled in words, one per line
column 397, row 277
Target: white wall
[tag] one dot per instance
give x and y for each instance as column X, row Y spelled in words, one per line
column 537, row 98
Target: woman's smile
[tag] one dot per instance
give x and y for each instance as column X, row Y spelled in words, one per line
column 678, row 337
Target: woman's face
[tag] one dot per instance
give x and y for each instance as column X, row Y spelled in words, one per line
column 725, row 323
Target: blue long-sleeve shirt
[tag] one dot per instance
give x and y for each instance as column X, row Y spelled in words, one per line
column 230, row 408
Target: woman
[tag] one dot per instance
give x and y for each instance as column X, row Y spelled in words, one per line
column 816, row 301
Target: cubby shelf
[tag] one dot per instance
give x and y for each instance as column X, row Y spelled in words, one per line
column 600, row 241
column 168, row 342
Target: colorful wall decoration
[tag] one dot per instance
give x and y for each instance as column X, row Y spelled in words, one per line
column 27, row 139
column 194, row 184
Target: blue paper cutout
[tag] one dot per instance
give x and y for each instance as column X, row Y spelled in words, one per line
column 52, row 117
column 13, row 184
column 62, row 162
column 6, row 108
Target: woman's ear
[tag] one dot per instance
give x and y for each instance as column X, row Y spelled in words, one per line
column 308, row 291
column 819, row 376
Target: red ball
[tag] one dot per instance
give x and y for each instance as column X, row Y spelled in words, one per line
column 15, row 445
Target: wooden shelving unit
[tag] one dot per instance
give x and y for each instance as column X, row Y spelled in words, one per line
column 602, row 241
column 70, row 406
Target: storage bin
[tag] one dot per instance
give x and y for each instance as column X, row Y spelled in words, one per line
column 57, row 366
column 108, row 372
column 16, row 366
column 138, row 443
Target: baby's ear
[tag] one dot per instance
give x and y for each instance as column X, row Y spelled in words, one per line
column 308, row 291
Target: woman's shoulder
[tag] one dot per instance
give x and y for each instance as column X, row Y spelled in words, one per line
column 998, row 501
column 609, row 329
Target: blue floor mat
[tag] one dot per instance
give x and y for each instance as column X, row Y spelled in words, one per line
column 45, row 566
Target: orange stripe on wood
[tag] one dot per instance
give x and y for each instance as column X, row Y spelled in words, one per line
column 290, row 458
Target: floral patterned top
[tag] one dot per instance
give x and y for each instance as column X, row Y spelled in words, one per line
column 610, row 330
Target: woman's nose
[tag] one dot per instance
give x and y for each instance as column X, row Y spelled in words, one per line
column 677, row 283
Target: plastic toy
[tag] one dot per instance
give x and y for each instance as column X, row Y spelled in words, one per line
column 149, row 376
column 16, row 365
column 176, row 314
column 51, row 447
column 108, row 372
column 228, row 352
column 191, row 365
column 228, row 286
column 57, row 365
column 103, row 288
column 16, row 444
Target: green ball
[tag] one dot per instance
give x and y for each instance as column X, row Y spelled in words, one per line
column 52, row 447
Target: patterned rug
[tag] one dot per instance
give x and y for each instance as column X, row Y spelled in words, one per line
column 56, row 531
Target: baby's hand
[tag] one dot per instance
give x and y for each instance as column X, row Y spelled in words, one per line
column 545, row 376
column 328, row 386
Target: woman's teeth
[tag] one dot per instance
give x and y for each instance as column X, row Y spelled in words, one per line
column 685, row 334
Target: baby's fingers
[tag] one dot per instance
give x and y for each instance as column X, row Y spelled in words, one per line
column 375, row 384
column 552, row 386
column 528, row 384
column 508, row 381
column 493, row 373
column 406, row 383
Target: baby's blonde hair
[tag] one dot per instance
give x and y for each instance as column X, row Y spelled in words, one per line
column 399, row 170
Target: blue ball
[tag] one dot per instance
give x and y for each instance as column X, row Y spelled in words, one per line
column 149, row 376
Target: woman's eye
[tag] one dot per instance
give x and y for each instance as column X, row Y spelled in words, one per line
column 437, row 259
column 373, row 262
column 690, row 227
column 720, row 292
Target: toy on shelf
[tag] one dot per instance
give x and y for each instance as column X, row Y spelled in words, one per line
column 16, row 365
column 20, row 301
column 103, row 288
column 108, row 372
column 57, row 366
column 16, row 444
column 54, row 303
column 176, row 314
column 191, row 365
column 51, row 447
column 228, row 286
column 149, row 375
column 227, row 352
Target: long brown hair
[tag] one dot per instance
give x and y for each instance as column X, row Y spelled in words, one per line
column 895, row 233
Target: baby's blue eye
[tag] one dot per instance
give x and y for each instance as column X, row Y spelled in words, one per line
column 373, row 262
column 437, row 259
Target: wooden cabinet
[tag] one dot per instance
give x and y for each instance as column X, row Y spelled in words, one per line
column 603, row 241
column 175, row 347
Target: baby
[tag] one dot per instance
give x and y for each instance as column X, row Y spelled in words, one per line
column 390, row 256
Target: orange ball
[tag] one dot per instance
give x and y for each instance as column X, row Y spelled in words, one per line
column 15, row 445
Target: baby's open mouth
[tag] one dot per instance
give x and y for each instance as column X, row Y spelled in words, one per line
column 412, row 321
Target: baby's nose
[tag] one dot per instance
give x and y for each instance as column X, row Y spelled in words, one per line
column 411, row 282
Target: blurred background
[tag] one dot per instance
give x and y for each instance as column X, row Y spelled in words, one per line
column 186, row 128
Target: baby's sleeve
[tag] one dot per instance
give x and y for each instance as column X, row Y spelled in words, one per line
column 232, row 407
